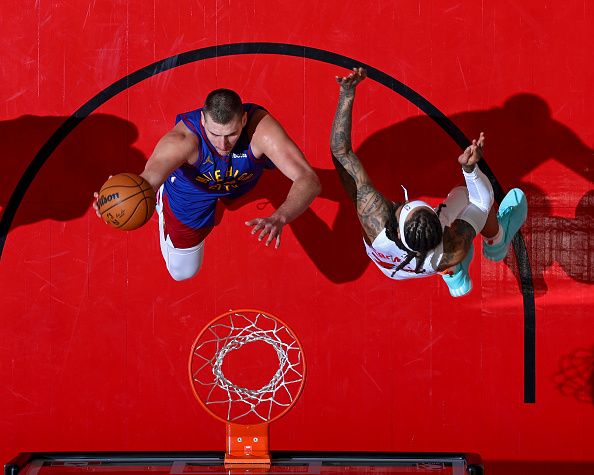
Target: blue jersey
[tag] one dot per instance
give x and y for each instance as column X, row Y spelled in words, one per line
column 191, row 188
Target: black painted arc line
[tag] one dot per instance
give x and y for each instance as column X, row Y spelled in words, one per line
column 278, row 49
column 529, row 318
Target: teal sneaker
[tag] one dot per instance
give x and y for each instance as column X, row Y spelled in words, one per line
column 511, row 215
column 459, row 283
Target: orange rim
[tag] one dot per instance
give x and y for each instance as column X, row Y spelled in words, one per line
column 239, row 311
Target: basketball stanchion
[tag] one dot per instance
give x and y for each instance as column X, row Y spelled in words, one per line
column 247, row 369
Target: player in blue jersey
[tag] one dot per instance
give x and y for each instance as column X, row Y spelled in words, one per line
column 220, row 151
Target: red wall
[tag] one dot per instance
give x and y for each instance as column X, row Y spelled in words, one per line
column 95, row 335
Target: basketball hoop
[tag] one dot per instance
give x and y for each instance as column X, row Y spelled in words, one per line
column 247, row 403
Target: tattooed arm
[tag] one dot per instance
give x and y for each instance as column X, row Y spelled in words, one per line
column 372, row 207
column 457, row 240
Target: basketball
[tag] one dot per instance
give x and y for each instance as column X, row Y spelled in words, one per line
column 126, row 201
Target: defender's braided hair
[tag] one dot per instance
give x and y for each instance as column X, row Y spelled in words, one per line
column 422, row 232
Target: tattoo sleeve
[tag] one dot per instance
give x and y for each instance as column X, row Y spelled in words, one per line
column 372, row 207
column 340, row 142
column 457, row 240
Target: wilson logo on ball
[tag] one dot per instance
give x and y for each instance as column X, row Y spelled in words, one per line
column 106, row 199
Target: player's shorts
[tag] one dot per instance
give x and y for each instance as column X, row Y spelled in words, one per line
column 183, row 236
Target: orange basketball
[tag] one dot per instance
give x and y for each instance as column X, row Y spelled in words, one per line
column 126, row 201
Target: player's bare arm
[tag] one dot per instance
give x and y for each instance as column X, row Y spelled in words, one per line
column 175, row 148
column 270, row 139
column 372, row 207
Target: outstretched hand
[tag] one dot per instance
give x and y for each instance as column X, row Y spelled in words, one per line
column 473, row 153
column 271, row 226
column 349, row 82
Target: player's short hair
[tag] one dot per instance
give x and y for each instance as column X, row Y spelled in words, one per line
column 223, row 105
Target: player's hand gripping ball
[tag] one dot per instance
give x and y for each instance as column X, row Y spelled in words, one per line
column 126, row 201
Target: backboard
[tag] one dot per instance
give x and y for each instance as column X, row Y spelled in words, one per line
column 213, row 462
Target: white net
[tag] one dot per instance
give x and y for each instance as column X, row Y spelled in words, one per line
column 231, row 401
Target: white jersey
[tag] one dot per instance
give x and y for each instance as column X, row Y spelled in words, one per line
column 388, row 256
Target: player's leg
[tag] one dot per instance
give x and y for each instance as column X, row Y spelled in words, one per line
column 502, row 225
column 491, row 227
column 458, row 279
column 181, row 246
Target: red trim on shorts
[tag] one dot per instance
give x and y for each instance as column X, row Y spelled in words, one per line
column 182, row 236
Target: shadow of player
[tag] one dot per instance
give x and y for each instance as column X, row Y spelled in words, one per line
column 550, row 239
column 63, row 187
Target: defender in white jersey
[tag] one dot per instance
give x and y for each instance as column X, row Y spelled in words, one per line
column 410, row 239
column 385, row 253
